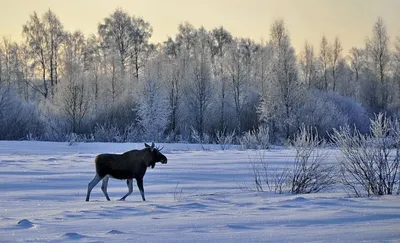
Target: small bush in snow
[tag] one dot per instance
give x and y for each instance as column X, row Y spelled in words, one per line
column 371, row 161
column 266, row 178
column 309, row 173
column 199, row 138
column 106, row 133
column 225, row 139
column 131, row 133
column 72, row 139
column 255, row 139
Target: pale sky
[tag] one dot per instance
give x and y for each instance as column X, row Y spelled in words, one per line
column 350, row 20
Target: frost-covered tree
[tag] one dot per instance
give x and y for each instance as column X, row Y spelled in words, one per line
column 180, row 58
column 262, row 68
column 186, row 38
column 93, row 59
column 199, row 90
column 45, row 38
column 153, row 101
column 336, row 61
column 324, row 59
column 55, row 37
column 140, row 34
column 279, row 108
column 396, row 72
column 6, row 62
column 35, row 35
column 308, row 65
column 74, row 98
column 115, row 31
column 377, row 49
column 237, row 77
column 220, row 40
column 345, row 81
column 357, row 62
column 174, row 74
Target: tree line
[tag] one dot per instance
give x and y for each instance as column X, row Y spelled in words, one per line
column 117, row 86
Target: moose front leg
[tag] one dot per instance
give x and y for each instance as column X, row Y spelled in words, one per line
column 139, row 182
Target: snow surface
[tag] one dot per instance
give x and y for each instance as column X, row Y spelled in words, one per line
column 197, row 197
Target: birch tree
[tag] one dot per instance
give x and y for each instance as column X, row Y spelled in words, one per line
column 219, row 44
column 377, row 48
column 284, row 98
column 199, row 88
column 308, row 65
column 324, row 59
column 35, row 35
column 74, row 100
column 336, row 58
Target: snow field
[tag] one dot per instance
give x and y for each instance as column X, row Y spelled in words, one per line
column 197, row 197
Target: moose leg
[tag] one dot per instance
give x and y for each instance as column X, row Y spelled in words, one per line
column 139, row 182
column 92, row 184
column 130, row 188
column 104, row 187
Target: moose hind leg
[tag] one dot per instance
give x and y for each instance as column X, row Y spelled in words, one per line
column 104, row 187
column 91, row 185
column 130, row 189
column 140, row 186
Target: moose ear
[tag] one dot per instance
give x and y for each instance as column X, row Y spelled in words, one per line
column 146, row 145
column 152, row 144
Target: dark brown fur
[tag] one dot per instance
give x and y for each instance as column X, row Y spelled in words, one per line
column 127, row 166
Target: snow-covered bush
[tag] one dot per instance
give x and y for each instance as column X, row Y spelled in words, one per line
column 371, row 162
column 255, row 139
column 326, row 111
column 74, row 138
column 266, row 178
column 152, row 102
column 309, row 173
column 106, row 133
column 225, row 139
column 131, row 133
column 200, row 139
column 17, row 118
column 56, row 127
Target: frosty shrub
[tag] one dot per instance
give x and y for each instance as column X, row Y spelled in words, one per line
column 255, row 139
column 131, row 133
column 225, row 139
column 266, row 178
column 310, row 172
column 370, row 164
column 106, row 133
column 18, row 118
column 200, row 139
column 74, row 138
column 56, row 126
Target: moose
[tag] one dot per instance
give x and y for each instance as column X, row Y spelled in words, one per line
column 127, row 166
